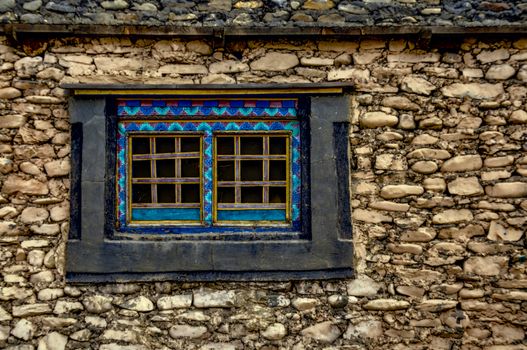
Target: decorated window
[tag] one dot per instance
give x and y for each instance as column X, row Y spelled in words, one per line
column 192, row 163
column 209, row 183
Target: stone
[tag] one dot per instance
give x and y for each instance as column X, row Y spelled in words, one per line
column 42, row 277
column 500, row 72
column 96, row 321
column 53, row 341
column 422, row 234
column 493, row 56
column 48, row 294
column 183, row 69
column 498, row 232
column 406, row 121
column 57, row 168
column 377, row 120
column 414, row 57
column 355, row 74
column 316, row 61
column 473, row 90
column 115, row 5
column 228, row 66
column 4, row 315
column 113, row 346
column 518, row 117
column 386, row 305
column 127, row 336
column 14, row 184
column 436, row 305
column 400, row 191
column 82, row 335
column 45, row 229
column 363, row 286
column 97, row 304
column 174, row 302
column 507, row 333
column 63, row 307
column 31, row 310
column 390, row 206
column 367, row 330
column 33, row 214
column 186, row 331
column 370, row 216
column 318, row 5
column 486, row 266
column 209, row 298
column 324, row 332
column 453, row 216
column 27, row 66
column 495, row 162
column 507, row 190
column 12, row 121
column 462, row 163
column 275, row 331
column 9, row 93
column 400, row 102
column 429, row 153
column 140, row 303
column 338, row 301
column 274, row 61
column 411, row 291
column 24, row 329
column 390, row 162
column 424, row 139
column 417, row 85
column 217, row 79
column 425, row 167
column 304, row 304
column 465, row 186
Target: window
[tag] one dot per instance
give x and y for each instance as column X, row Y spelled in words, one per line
column 210, row 187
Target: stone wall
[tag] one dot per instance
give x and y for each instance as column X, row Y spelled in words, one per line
column 439, row 193
column 268, row 13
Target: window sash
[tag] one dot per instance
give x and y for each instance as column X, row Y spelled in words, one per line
column 208, row 208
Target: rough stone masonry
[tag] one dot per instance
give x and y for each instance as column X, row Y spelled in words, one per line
column 439, row 191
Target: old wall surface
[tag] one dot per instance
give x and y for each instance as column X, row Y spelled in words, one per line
column 439, row 193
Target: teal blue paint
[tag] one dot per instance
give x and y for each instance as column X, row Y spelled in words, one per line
column 165, row 214
column 251, row 215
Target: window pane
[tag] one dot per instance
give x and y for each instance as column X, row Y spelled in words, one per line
column 277, row 171
column 141, row 168
column 225, row 145
column 226, row 170
column 190, row 167
column 277, row 195
column 225, row 194
column 165, row 145
column 190, row 144
column 251, row 145
column 251, row 170
column 141, row 193
column 166, row 193
column 140, row 145
column 190, row 193
column 166, row 168
column 252, row 194
column 277, row 145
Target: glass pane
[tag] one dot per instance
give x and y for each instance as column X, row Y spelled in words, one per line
column 226, row 170
column 141, row 193
column 251, row 145
column 277, row 145
column 165, row 145
column 140, row 145
column 277, row 195
column 190, row 193
column 166, row 168
column 225, row 194
column 140, row 168
column 190, row 167
column 277, row 170
column 252, row 194
column 225, row 145
column 166, row 193
column 190, row 144
column 251, row 170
